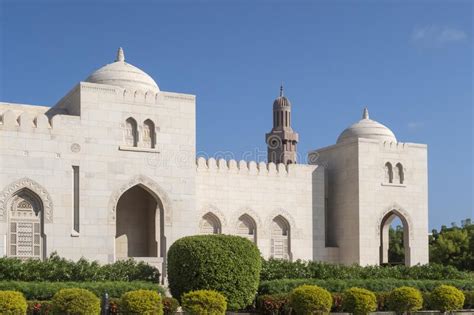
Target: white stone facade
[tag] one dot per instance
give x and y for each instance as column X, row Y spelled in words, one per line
column 110, row 172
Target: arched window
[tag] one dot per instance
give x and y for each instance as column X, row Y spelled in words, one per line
column 388, row 173
column 149, row 135
column 280, row 240
column 210, row 224
column 25, row 228
column 399, row 172
column 131, row 132
column 247, row 227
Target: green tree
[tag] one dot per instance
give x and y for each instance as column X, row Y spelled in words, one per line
column 396, row 251
column 454, row 246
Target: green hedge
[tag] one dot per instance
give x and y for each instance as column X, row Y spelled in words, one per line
column 376, row 285
column 224, row 263
column 278, row 304
column 56, row 268
column 46, row 290
column 275, row 269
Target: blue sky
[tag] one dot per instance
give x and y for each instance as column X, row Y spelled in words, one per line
column 409, row 62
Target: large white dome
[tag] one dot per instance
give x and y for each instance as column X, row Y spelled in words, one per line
column 368, row 129
column 125, row 75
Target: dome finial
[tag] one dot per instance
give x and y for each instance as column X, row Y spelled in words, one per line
column 281, row 89
column 120, row 55
column 365, row 115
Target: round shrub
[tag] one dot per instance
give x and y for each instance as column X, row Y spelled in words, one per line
column 75, row 301
column 446, row 298
column 204, row 302
column 141, row 302
column 359, row 301
column 405, row 299
column 170, row 305
column 310, row 299
column 272, row 304
column 12, row 302
column 224, row 263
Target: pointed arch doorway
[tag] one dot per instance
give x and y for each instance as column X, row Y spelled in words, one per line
column 385, row 243
column 139, row 225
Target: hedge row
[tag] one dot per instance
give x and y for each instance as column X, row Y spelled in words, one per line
column 274, row 269
column 56, row 268
column 46, row 290
column 376, row 285
column 279, row 303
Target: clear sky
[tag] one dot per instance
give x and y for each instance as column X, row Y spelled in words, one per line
column 409, row 62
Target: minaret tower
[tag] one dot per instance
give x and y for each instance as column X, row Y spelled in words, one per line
column 282, row 140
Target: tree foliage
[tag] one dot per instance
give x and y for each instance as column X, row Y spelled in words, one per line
column 396, row 251
column 454, row 246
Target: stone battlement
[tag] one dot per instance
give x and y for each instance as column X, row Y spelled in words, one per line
column 24, row 120
column 250, row 167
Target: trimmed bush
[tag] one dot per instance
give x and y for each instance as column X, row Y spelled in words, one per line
column 224, row 263
column 309, row 299
column 273, row 304
column 204, row 302
column 337, row 303
column 114, row 305
column 141, row 302
column 468, row 300
column 39, row 307
column 405, row 299
column 46, row 290
column 359, row 301
column 12, row 302
column 274, row 269
column 374, row 285
column 170, row 305
column 56, row 268
column 75, row 301
column 446, row 298
column 382, row 298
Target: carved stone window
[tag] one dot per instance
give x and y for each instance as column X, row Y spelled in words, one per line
column 131, row 132
column 25, row 227
column 388, row 173
column 210, row 224
column 399, row 174
column 247, row 228
column 149, row 135
column 280, row 239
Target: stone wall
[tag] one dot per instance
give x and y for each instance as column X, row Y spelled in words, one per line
column 264, row 191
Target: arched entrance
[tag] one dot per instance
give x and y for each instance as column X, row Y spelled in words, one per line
column 26, row 237
column 139, row 224
column 385, row 242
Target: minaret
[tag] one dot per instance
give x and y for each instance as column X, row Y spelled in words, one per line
column 282, row 140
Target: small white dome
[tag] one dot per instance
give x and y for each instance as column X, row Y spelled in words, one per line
column 368, row 129
column 120, row 73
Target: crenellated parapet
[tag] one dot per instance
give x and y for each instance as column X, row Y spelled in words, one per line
column 250, row 167
column 131, row 95
column 24, row 121
column 393, row 146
